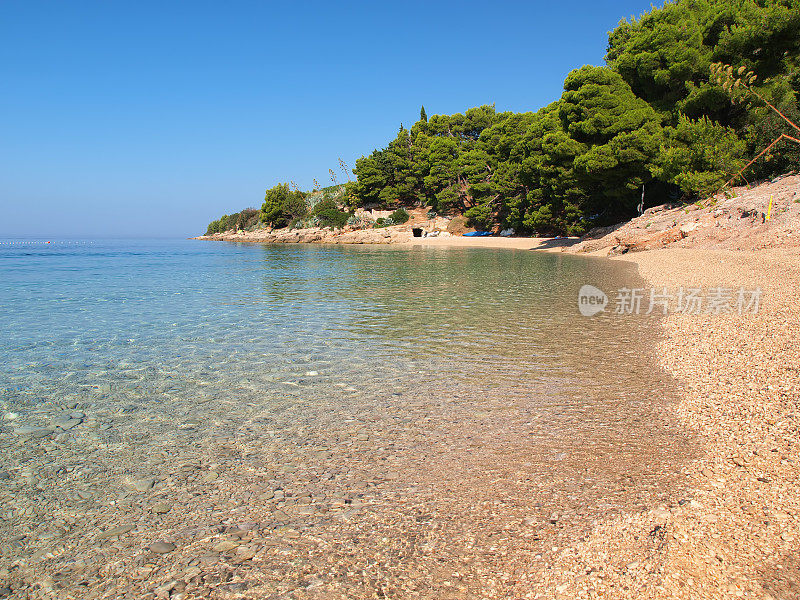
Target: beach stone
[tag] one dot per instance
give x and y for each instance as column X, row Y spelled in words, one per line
column 163, row 593
column 4, row 475
column 66, row 423
column 162, row 547
column 192, row 572
column 115, row 531
column 210, row 476
column 225, row 546
column 141, row 485
column 237, row 533
column 41, row 553
column 35, row 432
column 161, row 508
column 246, row 552
column 660, row 515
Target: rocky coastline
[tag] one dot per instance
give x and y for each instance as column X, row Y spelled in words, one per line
column 751, row 218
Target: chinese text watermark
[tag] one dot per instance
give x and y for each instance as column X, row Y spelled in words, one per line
column 662, row 300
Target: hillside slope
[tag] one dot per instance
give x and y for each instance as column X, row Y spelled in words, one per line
column 742, row 222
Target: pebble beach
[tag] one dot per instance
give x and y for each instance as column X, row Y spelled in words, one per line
column 735, row 534
column 684, row 491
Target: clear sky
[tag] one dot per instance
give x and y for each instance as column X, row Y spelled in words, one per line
column 153, row 118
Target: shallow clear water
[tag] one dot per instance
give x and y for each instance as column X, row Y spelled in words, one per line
column 387, row 376
column 206, row 315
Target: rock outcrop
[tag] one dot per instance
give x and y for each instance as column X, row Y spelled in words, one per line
column 742, row 222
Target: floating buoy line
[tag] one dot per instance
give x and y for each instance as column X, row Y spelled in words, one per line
column 44, row 243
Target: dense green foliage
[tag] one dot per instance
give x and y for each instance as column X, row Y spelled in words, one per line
column 328, row 213
column 695, row 155
column 400, row 216
column 282, row 205
column 245, row 219
column 651, row 117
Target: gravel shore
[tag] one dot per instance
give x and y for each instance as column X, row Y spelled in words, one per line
column 701, row 503
column 736, row 534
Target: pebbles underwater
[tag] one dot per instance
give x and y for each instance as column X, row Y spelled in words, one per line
column 437, row 441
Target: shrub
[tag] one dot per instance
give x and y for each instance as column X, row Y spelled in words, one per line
column 327, row 203
column 305, row 222
column 384, row 222
column 213, row 227
column 361, row 222
column 223, row 224
column 328, row 212
column 282, row 206
column 247, row 218
column 399, row 216
column 351, row 199
column 333, row 217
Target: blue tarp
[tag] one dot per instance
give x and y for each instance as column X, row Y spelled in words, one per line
column 477, row 233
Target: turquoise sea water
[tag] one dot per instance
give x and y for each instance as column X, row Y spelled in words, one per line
column 388, row 375
column 209, row 314
column 214, row 320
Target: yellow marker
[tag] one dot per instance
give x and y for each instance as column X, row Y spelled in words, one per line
column 769, row 210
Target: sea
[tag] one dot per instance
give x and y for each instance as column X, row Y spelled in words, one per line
column 438, row 394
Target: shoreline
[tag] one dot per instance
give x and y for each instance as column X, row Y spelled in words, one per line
column 216, row 479
column 737, row 533
column 545, row 244
column 400, row 236
column 740, row 395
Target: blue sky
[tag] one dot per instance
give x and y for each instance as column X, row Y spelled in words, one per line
column 153, row 118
